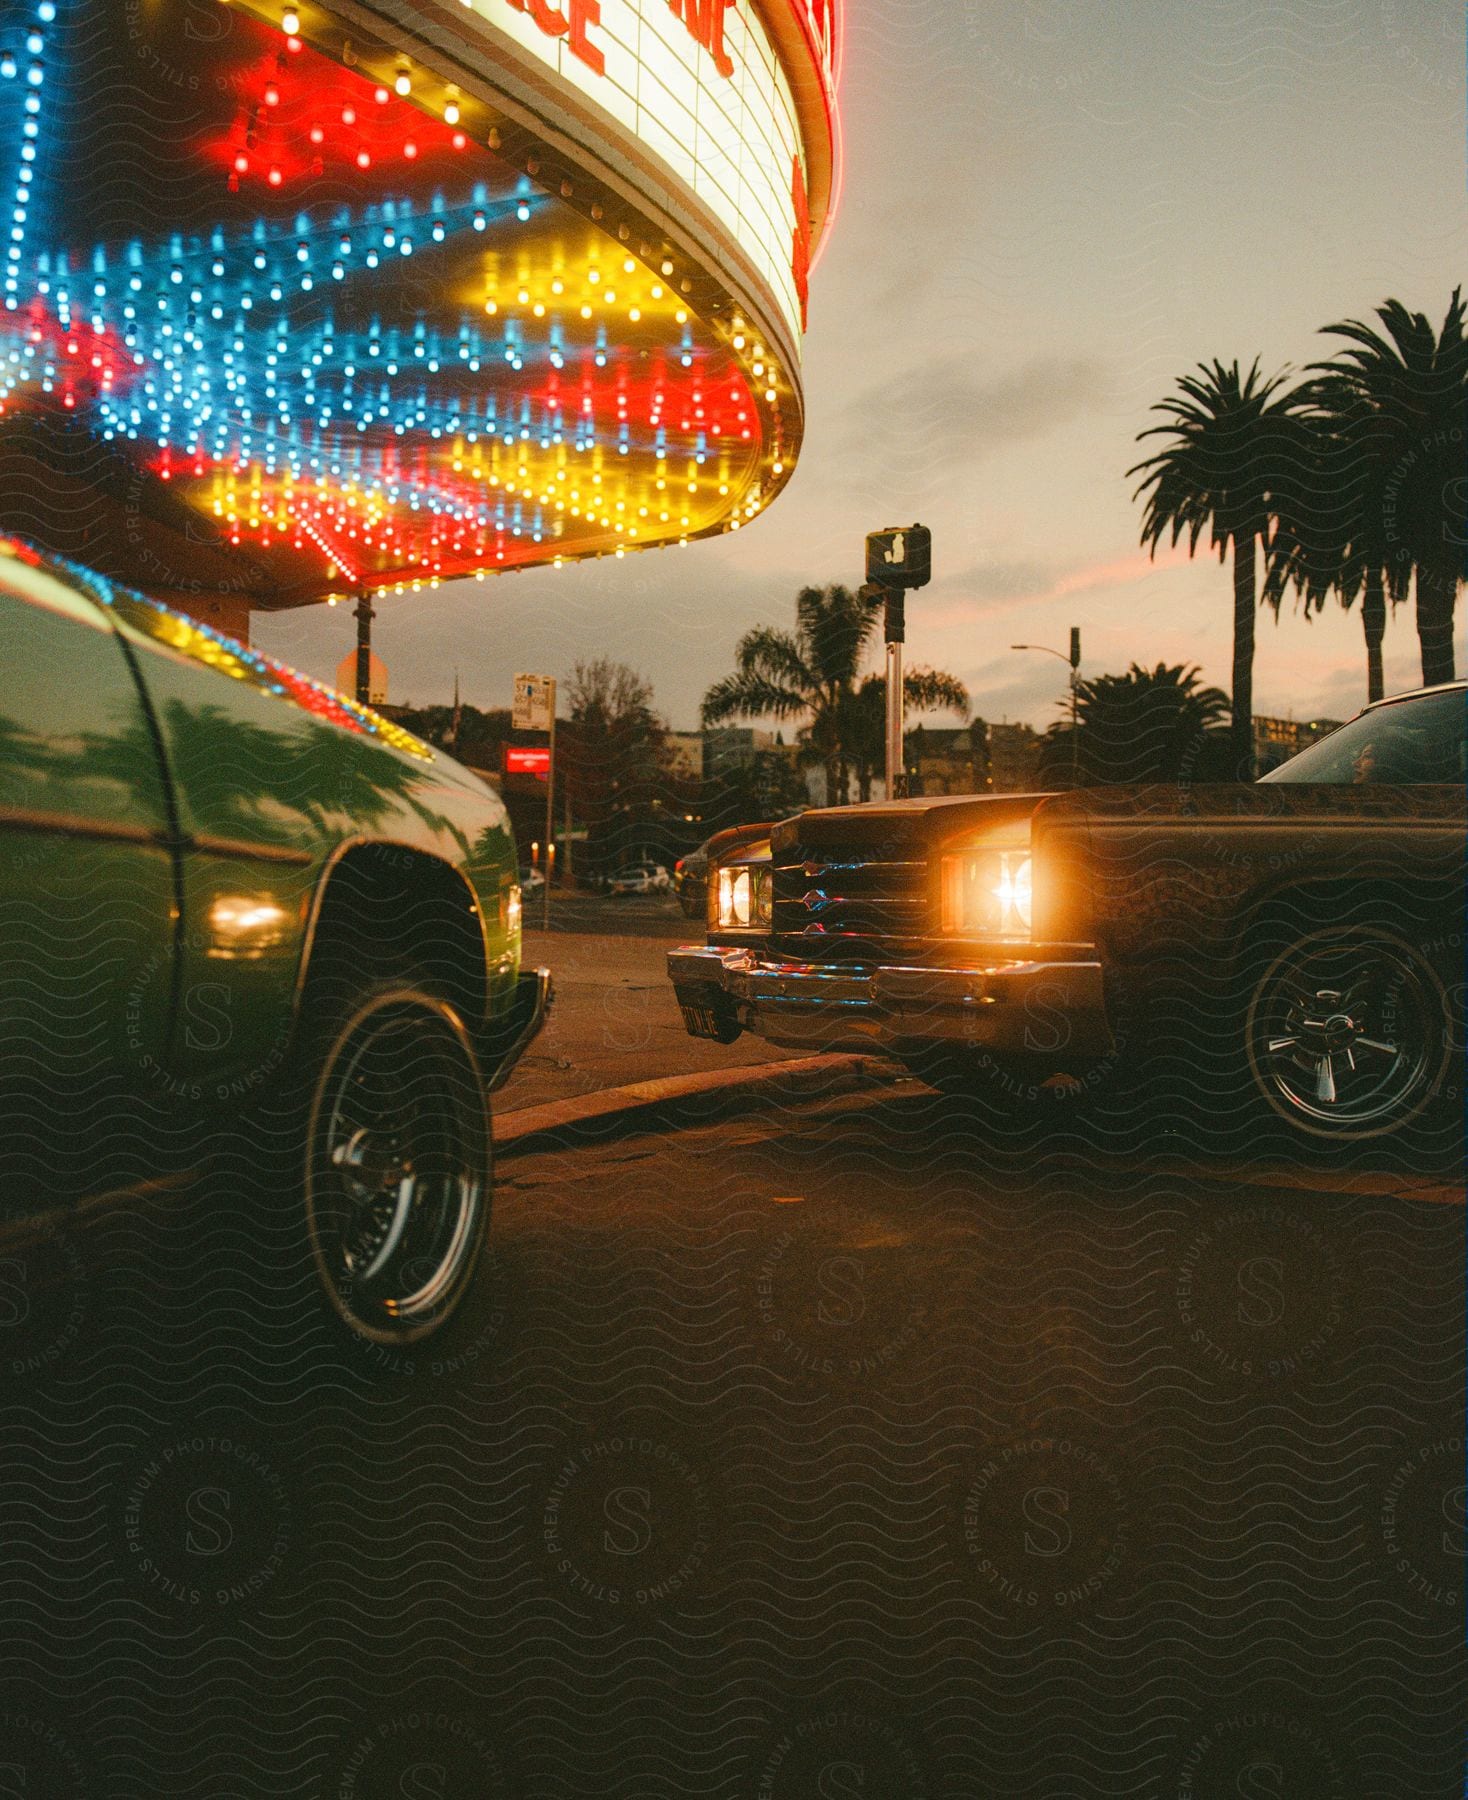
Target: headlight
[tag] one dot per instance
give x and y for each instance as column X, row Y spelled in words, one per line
column 740, row 899
column 986, row 893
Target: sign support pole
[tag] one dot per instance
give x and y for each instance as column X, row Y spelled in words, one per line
column 364, row 616
column 550, row 818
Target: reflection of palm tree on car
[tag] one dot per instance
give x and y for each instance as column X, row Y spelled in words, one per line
column 264, row 784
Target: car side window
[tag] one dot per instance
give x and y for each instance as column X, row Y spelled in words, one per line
column 1417, row 742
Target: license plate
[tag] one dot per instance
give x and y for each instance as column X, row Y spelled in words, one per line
column 701, row 1022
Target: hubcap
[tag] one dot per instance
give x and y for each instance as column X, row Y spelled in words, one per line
column 1345, row 1034
column 398, row 1183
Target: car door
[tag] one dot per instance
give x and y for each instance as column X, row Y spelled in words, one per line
column 88, row 904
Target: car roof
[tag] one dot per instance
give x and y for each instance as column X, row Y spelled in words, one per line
column 1441, row 687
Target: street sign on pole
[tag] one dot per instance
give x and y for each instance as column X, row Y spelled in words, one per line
column 900, row 557
column 534, row 704
column 534, row 709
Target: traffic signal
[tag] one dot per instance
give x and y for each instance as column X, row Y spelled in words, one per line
column 900, row 557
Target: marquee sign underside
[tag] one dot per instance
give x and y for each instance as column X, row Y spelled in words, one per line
column 282, row 327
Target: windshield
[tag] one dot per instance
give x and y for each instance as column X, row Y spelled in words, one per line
column 1406, row 741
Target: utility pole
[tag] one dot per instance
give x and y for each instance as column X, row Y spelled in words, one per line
column 364, row 616
column 1073, row 661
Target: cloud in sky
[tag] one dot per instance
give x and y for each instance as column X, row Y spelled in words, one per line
column 939, row 415
column 991, row 588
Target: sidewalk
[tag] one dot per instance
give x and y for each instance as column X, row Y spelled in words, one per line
column 614, row 1021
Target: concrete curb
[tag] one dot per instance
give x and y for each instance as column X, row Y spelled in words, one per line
column 592, row 1117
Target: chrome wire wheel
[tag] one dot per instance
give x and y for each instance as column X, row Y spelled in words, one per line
column 398, row 1172
column 1348, row 1033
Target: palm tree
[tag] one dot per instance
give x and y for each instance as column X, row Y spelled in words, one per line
column 1329, row 529
column 812, row 673
column 1230, row 440
column 1402, row 397
column 1147, row 725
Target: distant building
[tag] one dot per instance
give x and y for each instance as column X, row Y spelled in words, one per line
column 683, row 755
column 1277, row 740
column 727, row 747
column 942, row 761
column 1007, row 758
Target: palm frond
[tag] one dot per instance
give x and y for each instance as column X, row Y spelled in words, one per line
column 934, row 690
column 751, row 697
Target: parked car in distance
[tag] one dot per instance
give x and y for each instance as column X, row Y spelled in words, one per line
column 1291, row 949
column 230, row 894
column 640, row 878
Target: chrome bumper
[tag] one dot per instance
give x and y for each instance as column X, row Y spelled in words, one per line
column 1027, row 1008
column 511, row 1036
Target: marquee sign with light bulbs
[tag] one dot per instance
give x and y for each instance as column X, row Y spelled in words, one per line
column 289, row 312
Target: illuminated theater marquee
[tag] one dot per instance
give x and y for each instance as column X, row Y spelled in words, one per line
column 296, row 311
column 699, row 84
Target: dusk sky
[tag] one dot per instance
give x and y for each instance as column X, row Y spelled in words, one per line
column 1052, row 208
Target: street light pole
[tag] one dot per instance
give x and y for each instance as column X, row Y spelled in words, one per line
column 1073, row 663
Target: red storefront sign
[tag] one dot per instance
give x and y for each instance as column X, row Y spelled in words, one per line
column 521, row 761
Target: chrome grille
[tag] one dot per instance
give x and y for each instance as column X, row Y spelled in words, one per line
column 835, row 905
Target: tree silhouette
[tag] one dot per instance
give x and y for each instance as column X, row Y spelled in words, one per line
column 813, row 674
column 1231, row 440
column 1399, row 397
column 1329, row 527
column 1147, row 725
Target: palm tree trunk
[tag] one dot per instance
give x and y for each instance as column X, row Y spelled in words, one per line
column 1373, row 623
column 1245, row 602
column 1437, row 591
column 832, row 780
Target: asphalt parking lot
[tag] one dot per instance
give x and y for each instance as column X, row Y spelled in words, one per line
column 847, row 1446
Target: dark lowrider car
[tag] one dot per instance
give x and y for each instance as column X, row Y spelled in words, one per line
column 235, row 904
column 1298, row 941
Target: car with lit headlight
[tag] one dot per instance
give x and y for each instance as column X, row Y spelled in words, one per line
column 236, row 905
column 1294, row 945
